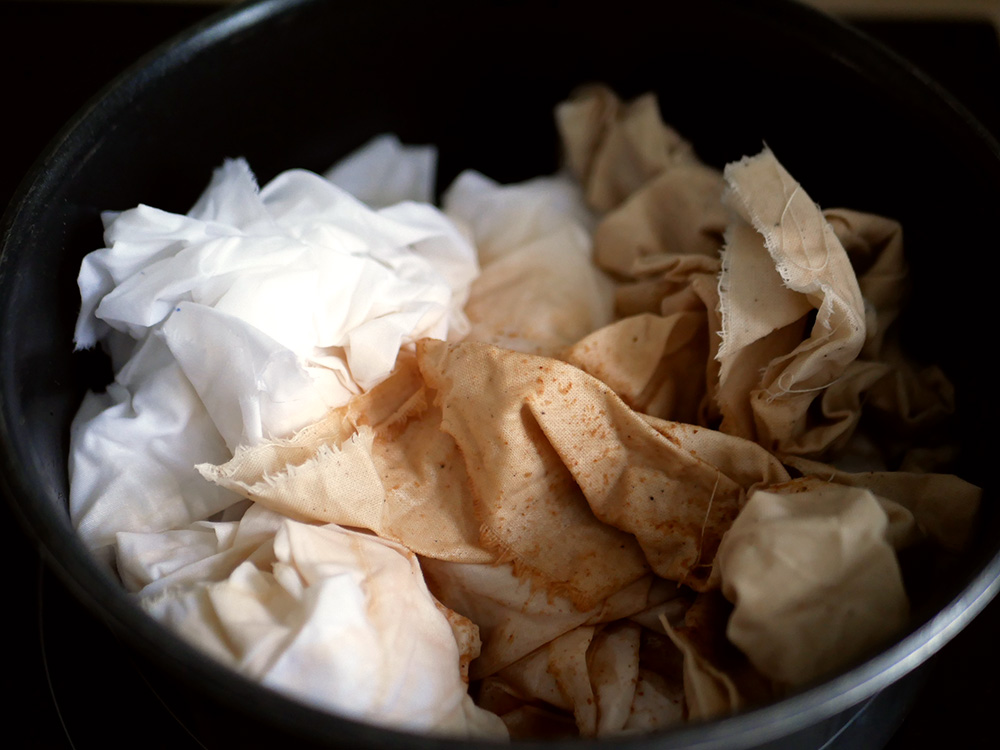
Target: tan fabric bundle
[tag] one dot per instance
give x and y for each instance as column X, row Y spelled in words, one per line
column 614, row 148
column 817, row 295
column 813, row 577
column 782, row 263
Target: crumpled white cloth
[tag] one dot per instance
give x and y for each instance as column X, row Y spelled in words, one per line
column 133, row 450
column 245, row 320
column 339, row 619
column 300, row 260
column 385, row 172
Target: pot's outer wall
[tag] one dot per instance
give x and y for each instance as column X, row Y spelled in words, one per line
column 301, row 83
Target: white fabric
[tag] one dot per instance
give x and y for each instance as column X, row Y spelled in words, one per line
column 133, row 450
column 274, row 304
column 300, row 260
column 242, row 321
column 384, row 172
column 322, row 623
column 150, row 563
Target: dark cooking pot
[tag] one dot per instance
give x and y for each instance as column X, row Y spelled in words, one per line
column 301, row 82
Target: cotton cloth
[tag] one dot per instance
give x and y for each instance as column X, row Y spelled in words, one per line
column 782, row 250
column 614, row 148
column 313, row 611
column 808, row 298
column 251, row 316
column 614, row 459
column 542, row 450
column 800, row 348
column 538, row 290
column 813, row 577
column 243, row 321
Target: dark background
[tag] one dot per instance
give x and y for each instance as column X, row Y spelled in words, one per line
column 73, row 686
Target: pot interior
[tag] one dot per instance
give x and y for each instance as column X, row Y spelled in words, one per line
column 299, row 84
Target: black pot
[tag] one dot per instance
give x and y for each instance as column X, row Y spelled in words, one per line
column 299, row 83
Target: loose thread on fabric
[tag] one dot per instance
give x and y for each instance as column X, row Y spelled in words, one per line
column 773, row 396
column 785, row 391
column 704, row 523
column 798, row 227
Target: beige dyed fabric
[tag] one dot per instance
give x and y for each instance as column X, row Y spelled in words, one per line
column 543, row 451
column 369, row 465
column 613, row 147
column 660, row 231
column 800, row 339
column 943, row 506
column 813, row 577
column 808, row 300
column 649, row 360
column 516, row 618
column 603, row 667
column 592, row 672
column 782, row 263
column 579, row 494
column 717, row 677
column 677, row 214
column 911, row 400
column 808, row 297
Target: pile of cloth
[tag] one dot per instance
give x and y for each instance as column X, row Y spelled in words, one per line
column 598, row 452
